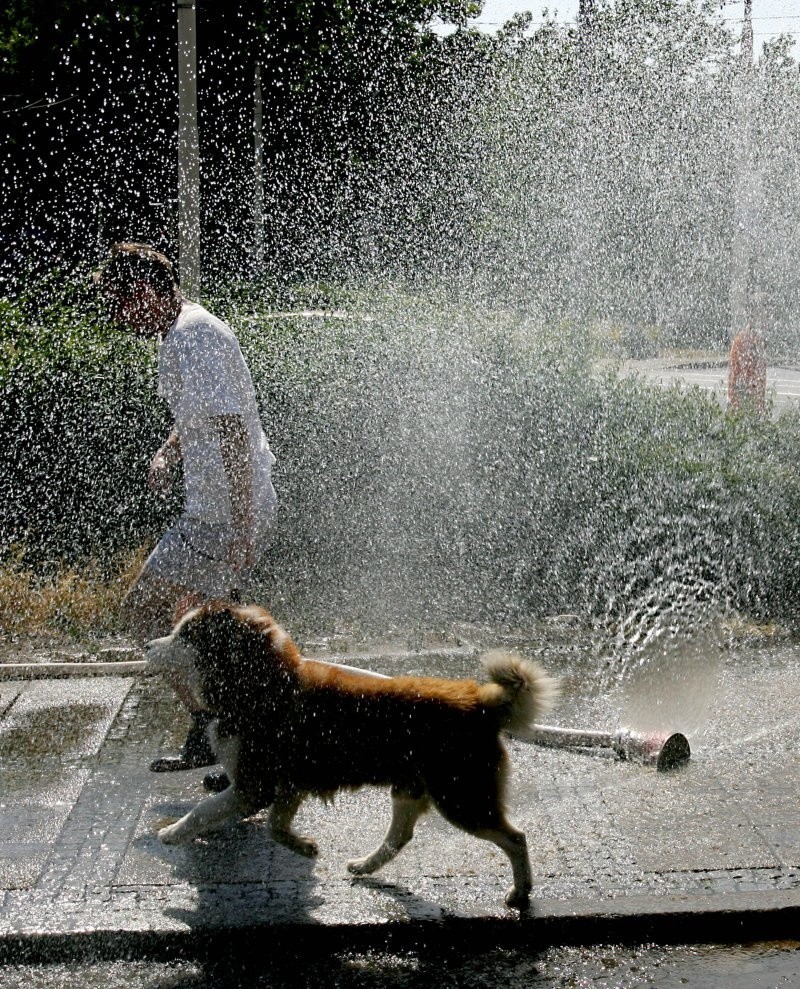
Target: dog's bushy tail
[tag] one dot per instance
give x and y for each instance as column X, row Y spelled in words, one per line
column 519, row 688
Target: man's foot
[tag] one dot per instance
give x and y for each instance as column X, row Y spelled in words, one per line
column 196, row 751
column 216, row 782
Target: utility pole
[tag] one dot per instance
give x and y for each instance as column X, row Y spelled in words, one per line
column 583, row 197
column 258, row 176
column 747, row 36
column 188, row 152
column 586, row 15
column 746, row 185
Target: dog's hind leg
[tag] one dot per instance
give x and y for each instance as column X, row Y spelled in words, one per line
column 286, row 805
column 474, row 803
column 514, row 844
column 210, row 814
column 406, row 811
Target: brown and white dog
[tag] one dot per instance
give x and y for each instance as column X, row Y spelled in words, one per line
column 288, row 728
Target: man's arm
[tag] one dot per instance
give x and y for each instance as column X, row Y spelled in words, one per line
column 234, row 444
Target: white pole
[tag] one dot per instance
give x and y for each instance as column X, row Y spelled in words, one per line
column 188, row 152
column 746, row 185
column 258, row 176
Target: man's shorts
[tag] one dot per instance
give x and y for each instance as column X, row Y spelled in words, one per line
column 194, row 555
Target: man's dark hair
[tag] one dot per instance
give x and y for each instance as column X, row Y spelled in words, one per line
column 130, row 263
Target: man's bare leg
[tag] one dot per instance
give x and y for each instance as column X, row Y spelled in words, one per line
column 148, row 611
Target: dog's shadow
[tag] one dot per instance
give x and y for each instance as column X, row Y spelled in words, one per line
column 401, row 903
column 239, row 875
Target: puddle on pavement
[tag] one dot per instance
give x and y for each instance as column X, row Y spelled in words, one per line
column 47, row 736
column 589, row 967
column 51, row 731
column 59, row 719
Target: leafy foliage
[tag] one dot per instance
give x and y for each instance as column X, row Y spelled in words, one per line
column 89, row 99
column 79, row 423
column 434, row 463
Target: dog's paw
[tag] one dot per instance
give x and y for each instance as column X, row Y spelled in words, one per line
column 361, row 867
column 306, row 847
column 171, row 835
column 518, row 899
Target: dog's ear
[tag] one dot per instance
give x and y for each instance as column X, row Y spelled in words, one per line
column 212, row 631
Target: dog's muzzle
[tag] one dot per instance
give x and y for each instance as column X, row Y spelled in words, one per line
column 169, row 655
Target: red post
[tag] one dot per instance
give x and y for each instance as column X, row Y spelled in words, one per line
column 747, row 372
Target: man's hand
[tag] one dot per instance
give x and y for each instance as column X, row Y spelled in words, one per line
column 161, row 475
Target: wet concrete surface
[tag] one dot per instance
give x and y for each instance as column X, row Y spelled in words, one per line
column 619, row 852
column 766, row 965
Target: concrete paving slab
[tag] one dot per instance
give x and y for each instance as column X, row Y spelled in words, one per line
column 47, row 737
column 618, row 851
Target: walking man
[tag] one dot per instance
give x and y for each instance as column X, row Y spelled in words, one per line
column 217, row 437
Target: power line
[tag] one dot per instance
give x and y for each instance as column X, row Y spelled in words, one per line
column 41, row 104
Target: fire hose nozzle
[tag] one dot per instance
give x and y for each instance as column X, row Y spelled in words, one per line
column 664, row 750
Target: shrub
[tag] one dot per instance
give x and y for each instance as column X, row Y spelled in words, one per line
column 80, row 420
column 434, row 463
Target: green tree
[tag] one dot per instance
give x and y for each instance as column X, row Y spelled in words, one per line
column 89, row 100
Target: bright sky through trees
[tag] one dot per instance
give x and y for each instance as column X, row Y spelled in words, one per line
column 770, row 17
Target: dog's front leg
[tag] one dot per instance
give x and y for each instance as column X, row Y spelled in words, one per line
column 280, row 824
column 210, row 814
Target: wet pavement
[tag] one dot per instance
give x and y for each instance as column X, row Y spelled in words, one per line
column 620, row 852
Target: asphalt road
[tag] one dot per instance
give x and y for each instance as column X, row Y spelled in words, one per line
column 783, row 383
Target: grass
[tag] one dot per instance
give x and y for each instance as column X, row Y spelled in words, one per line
column 69, row 603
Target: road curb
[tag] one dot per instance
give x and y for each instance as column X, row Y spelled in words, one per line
column 552, row 924
column 45, row 671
